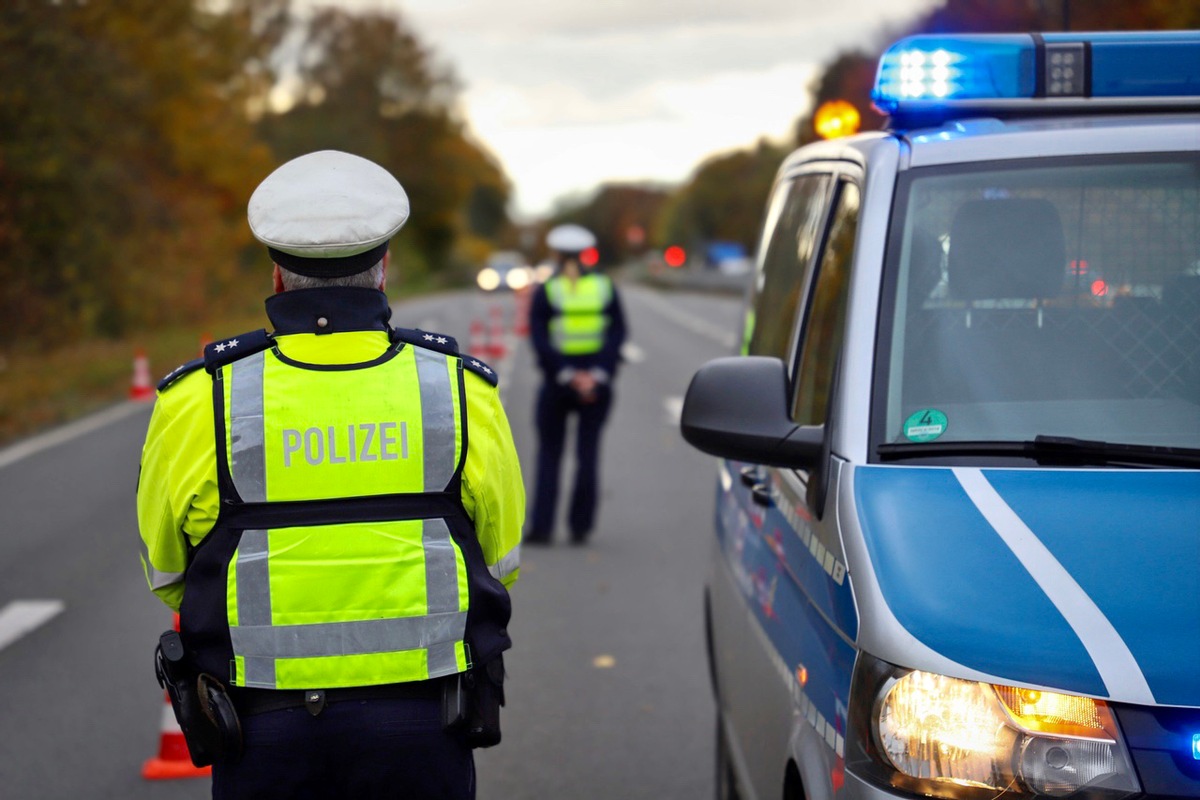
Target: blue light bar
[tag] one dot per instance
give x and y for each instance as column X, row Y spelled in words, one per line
column 1196, row 746
column 931, row 75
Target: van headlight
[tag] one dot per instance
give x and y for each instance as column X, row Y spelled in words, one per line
column 947, row 737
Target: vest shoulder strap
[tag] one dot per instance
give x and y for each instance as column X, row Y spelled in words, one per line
column 427, row 339
column 226, row 351
column 179, row 372
column 447, row 345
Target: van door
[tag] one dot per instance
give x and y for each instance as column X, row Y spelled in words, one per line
column 788, row 647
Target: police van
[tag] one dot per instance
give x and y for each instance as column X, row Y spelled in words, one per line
column 958, row 507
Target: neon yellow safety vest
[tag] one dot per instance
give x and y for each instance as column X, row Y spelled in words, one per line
column 342, row 555
column 579, row 323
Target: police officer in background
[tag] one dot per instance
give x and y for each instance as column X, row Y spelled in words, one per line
column 334, row 508
column 577, row 329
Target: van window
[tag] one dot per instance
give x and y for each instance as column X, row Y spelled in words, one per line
column 783, row 270
column 1057, row 298
column 821, row 339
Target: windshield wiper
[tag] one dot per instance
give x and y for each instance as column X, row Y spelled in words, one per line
column 1057, row 450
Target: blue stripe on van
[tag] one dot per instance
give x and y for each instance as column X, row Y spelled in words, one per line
column 794, row 622
column 1131, row 539
column 951, row 581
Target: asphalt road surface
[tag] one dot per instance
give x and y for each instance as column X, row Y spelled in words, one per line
column 608, row 693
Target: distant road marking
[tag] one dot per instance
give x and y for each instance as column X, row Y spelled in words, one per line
column 674, row 406
column 23, row 616
column 66, row 433
column 695, row 324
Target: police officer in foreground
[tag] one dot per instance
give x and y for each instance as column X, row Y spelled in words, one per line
column 334, row 508
column 577, row 329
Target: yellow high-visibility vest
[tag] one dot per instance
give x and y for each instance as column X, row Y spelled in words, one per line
column 579, row 323
column 342, row 556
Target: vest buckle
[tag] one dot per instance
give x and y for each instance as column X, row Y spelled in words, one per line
column 314, row 701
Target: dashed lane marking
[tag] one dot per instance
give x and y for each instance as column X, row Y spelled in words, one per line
column 674, row 407
column 23, row 616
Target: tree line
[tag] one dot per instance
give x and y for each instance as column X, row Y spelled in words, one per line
column 132, row 135
column 725, row 196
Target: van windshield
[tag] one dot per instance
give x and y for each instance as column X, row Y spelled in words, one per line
column 1051, row 298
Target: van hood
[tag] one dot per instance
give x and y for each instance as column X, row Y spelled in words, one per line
column 1082, row 580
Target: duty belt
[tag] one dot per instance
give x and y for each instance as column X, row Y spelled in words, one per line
column 249, row 702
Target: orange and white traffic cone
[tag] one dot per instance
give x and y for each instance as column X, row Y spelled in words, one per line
column 141, row 387
column 496, row 346
column 476, row 345
column 521, row 317
column 173, row 759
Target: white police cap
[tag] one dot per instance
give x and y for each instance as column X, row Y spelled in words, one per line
column 570, row 239
column 328, row 214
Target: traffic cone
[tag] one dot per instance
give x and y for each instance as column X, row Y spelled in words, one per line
column 496, row 346
column 476, row 344
column 141, row 388
column 521, row 318
column 173, row 759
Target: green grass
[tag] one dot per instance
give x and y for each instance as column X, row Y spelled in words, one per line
column 42, row 389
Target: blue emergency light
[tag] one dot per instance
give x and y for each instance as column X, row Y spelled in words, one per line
column 1196, row 746
column 932, row 75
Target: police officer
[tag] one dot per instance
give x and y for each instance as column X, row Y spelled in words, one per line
column 577, row 328
column 335, row 508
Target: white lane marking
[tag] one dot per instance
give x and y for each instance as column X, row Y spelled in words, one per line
column 1117, row 667
column 632, row 353
column 22, row 616
column 674, row 406
column 694, row 324
column 80, row 427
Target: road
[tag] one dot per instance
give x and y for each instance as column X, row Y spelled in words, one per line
column 608, row 687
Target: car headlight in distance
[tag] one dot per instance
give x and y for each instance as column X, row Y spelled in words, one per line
column 487, row 279
column 948, row 737
column 517, row 278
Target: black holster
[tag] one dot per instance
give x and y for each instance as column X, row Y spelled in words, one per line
column 472, row 703
column 202, row 707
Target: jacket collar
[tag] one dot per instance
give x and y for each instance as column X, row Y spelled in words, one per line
column 328, row 310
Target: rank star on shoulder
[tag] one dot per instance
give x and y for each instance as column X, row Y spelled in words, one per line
column 429, row 337
column 442, row 340
column 482, row 366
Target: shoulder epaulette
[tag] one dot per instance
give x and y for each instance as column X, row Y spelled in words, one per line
column 427, row 339
column 226, row 351
column 179, row 372
column 481, row 369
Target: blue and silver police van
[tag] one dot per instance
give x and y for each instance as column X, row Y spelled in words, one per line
column 958, row 512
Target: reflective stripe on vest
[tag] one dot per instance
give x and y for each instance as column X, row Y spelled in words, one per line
column 347, row 604
column 579, row 324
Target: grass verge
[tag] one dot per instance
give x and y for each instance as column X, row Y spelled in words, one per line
column 39, row 390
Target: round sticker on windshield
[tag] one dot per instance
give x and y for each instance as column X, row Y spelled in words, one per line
column 925, row 425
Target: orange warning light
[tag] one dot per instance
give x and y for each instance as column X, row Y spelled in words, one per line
column 836, row 118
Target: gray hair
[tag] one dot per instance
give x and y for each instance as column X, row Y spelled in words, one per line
column 368, row 279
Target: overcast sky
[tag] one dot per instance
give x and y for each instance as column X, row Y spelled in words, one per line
column 570, row 94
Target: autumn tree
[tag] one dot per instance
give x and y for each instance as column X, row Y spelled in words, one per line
column 125, row 161
column 621, row 215
column 367, row 85
column 723, row 199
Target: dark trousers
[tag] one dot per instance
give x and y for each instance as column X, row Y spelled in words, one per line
column 393, row 748
column 555, row 404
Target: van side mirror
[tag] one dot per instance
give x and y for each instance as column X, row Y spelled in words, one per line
column 737, row 407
